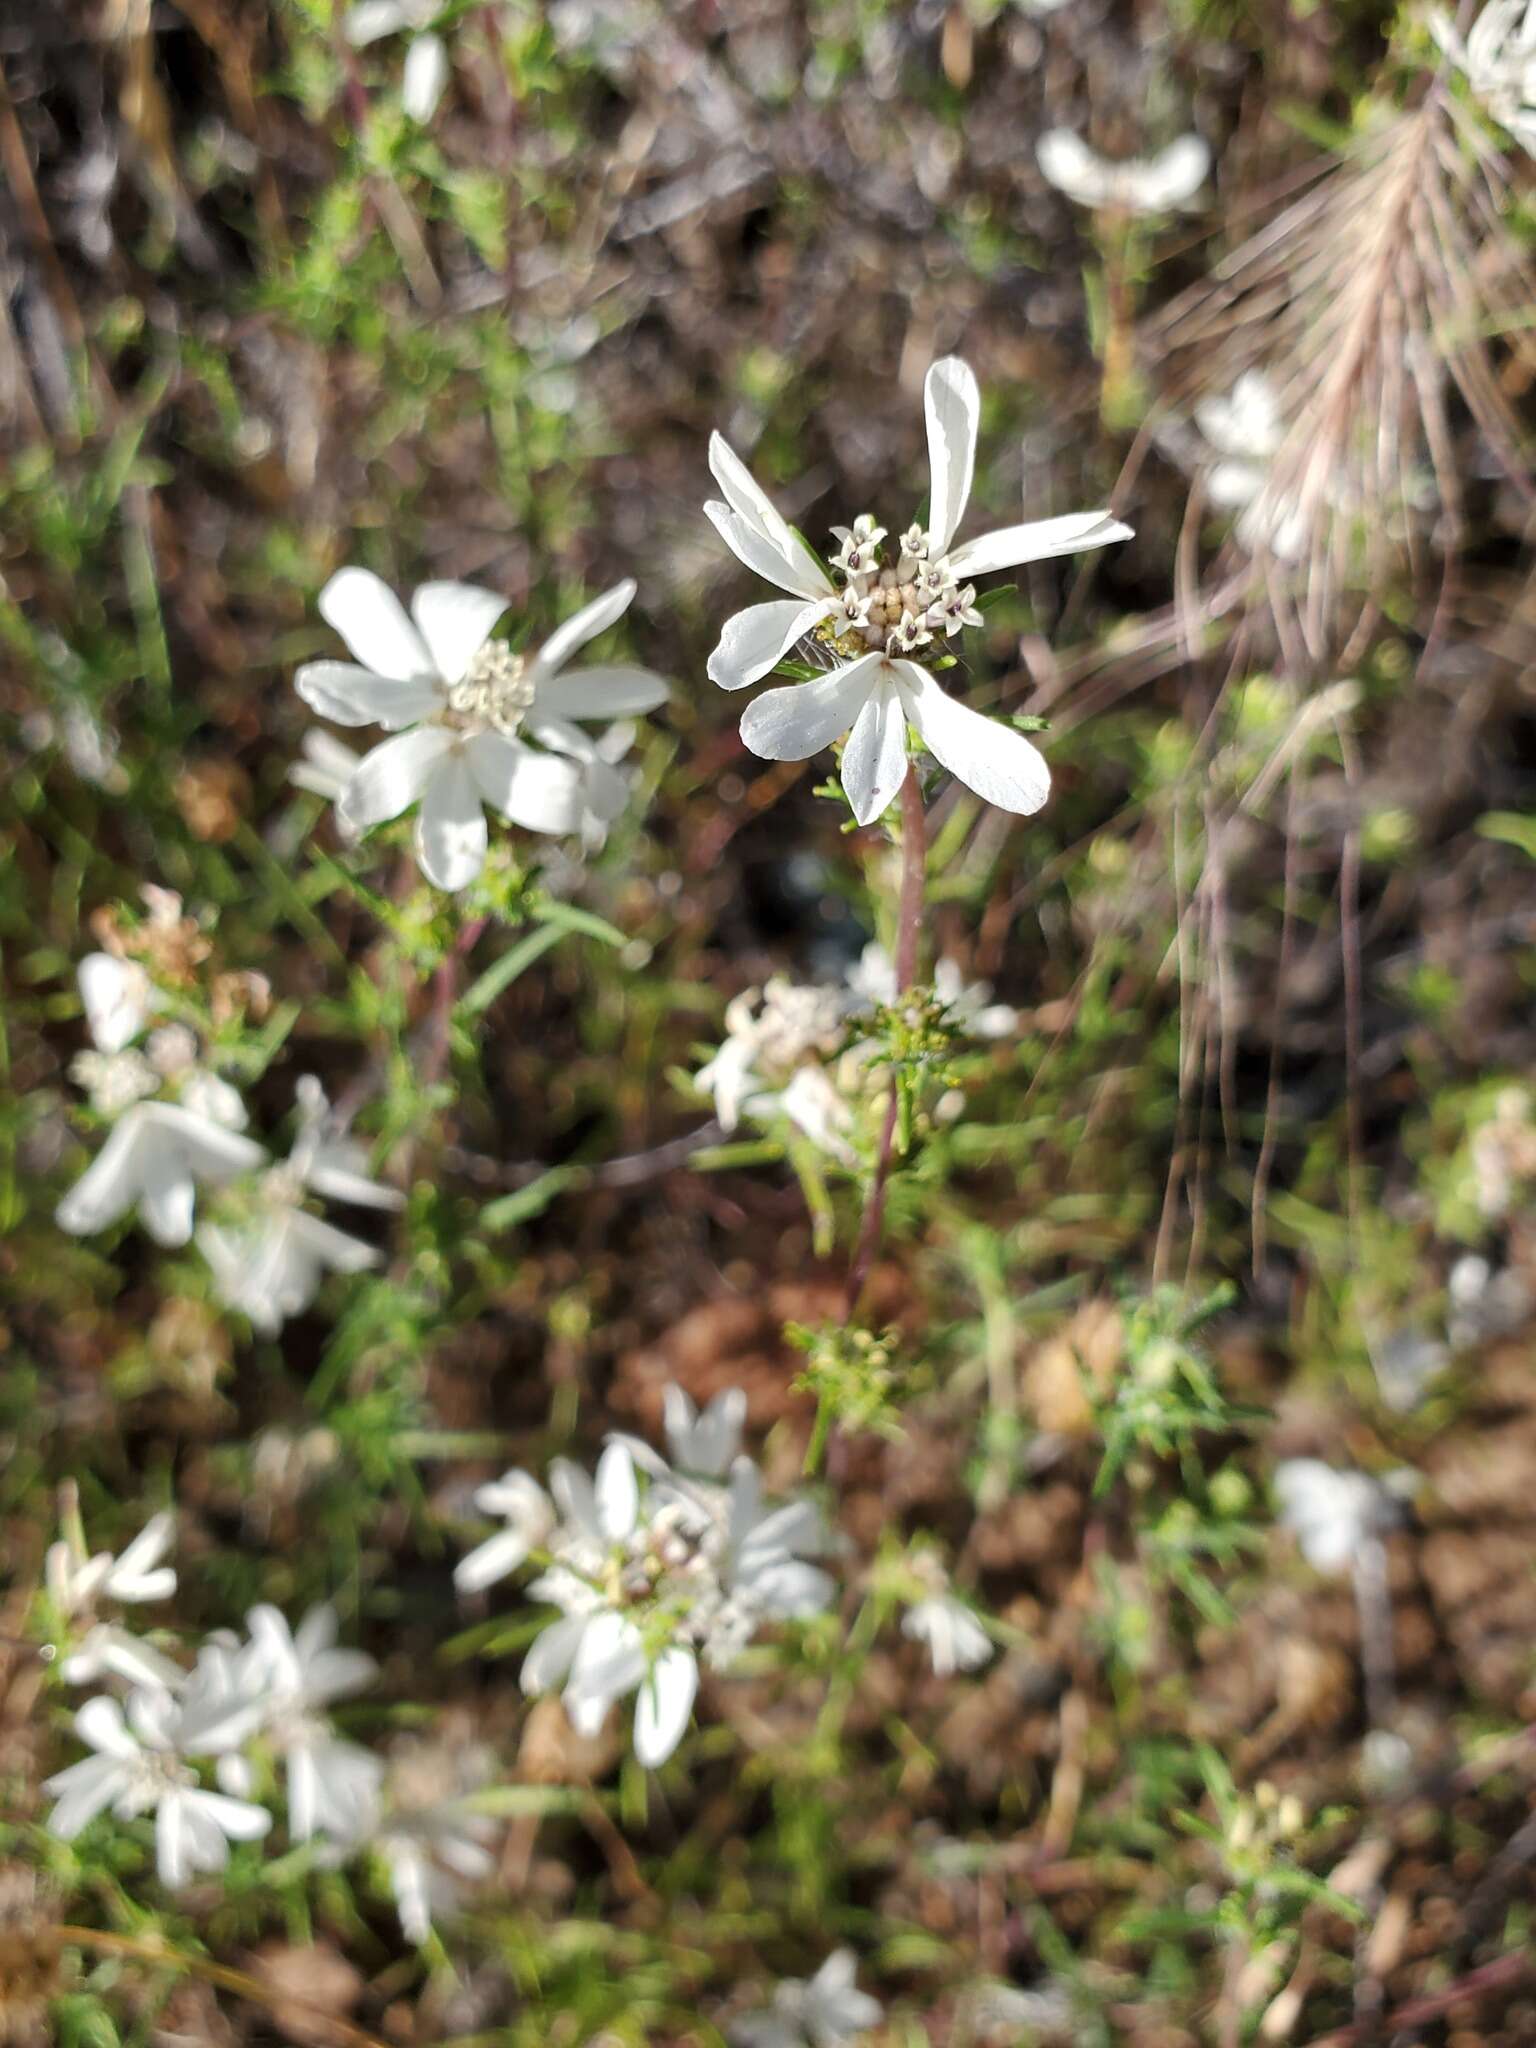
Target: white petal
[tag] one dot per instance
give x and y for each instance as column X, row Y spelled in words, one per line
column 875, row 758
column 370, row 19
column 116, row 996
column 338, row 1168
column 494, row 1559
column 799, row 720
column 756, row 511
column 99, row 1724
column 110, row 1184
column 338, row 1249
column 371, row 619
column 616, row 1492
column 424, row 77
column 238, row 1818
column 592, row 619
column 574, row 1497
column 455, row 620
column 754, row 641
column 166, row 1197
column 609, row 692
column 549, row 1658
column 391, row 778
column 665, row 1702
column 1035, row 541
column 450, row 828
column 799, row 575
column 987, row 756
column 1070, row 165
column 1175, row 175
column 534, row 790
column 82, row 1791
column 609, row 1662
column 349, row 695
column 952, row 404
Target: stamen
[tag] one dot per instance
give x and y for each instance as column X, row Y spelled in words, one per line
column 495, row 690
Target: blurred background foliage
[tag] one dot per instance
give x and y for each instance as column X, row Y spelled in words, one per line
column 1271, row 943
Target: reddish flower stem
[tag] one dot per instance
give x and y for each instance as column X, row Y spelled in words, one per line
column 909, row 924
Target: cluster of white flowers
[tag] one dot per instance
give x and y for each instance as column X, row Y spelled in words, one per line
column 243, row 1709
column 801, row 1051
column 269, row 1252
column 158, row 1150
column 1497, row 57
column 463, row 709
column 1138, row 184
column 867, row 616
column 653, row 1564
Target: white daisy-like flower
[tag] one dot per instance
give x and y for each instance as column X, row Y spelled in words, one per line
column 1497, row 57
column 1138, row 184
column 118, row 998
column 152, row 1161
column 1333, row 1515
column 1245, row 432
column 955, row 1639
column 824, row 2012
column 647, row 1581
column 872, row 690
column 773, row 1061
column 425, row 76
column 139, row 1767
column 76, row 1582
column 293, row 1676
column 270, row 1266
column 463, row 708
column 430, row 1838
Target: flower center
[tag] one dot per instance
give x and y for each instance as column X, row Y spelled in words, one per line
column 893, row 599
column 495, row 690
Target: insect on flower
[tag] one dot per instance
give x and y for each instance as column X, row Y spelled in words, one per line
column 873, row 623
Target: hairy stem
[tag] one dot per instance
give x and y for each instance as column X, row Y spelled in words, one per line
column 909, row 922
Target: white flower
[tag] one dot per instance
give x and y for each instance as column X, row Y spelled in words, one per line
column 294, row 1675
column 118, row 998
column 1154, row 184
column 646, row 1582
column 823, row 2013
column 707, row 1444
column 139, row 1767
column 871, row 693
column 1498, row 60
column 152, row 1161
column 459, row 704
column 76, row 1582
column 956, row 1640
column 1332, row 1515
column 270, row 1267
column 1246, row 431
column 426, row 60
column 771, row 1061
column 530, row 1517
column 429, row 1837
